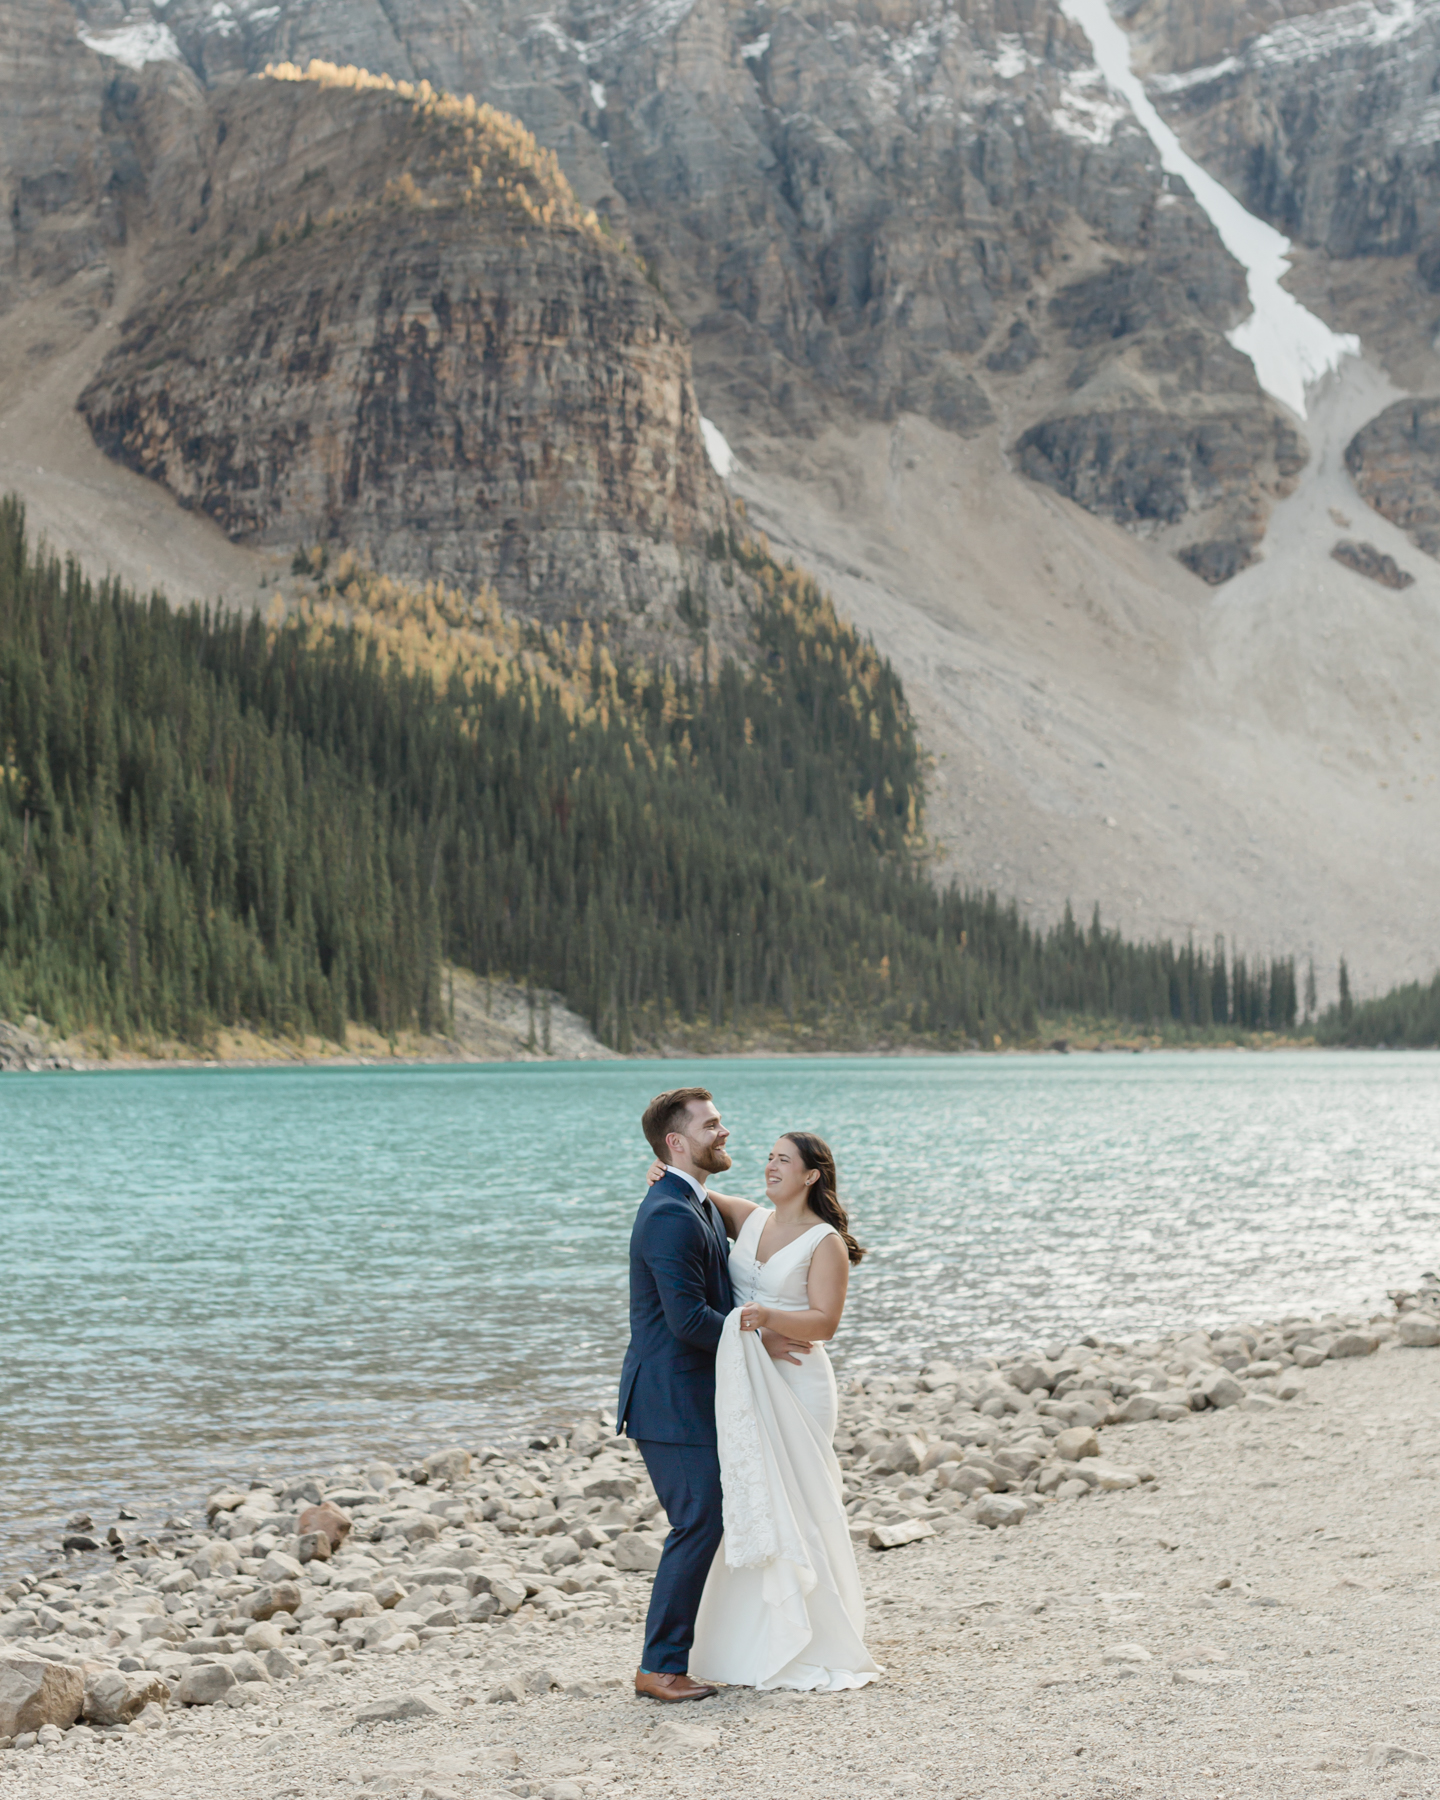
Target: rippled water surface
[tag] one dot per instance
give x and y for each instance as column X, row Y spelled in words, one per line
column 208, row 1272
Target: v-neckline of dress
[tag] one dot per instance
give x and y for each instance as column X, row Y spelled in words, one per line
column 754, row 1254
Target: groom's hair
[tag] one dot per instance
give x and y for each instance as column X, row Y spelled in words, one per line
column 666, row 1113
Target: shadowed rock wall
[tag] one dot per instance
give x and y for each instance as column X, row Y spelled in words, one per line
column 1395, row 463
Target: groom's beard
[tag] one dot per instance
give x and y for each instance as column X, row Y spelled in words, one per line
column 714, row 1161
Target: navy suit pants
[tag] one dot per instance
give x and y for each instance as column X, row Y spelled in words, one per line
column 687, row 1481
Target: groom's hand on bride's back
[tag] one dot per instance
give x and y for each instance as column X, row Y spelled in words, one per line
column 782, row 1348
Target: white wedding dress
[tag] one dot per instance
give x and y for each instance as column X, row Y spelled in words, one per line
column 782, row 1606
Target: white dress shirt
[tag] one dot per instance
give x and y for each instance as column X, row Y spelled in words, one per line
column 700, row 1193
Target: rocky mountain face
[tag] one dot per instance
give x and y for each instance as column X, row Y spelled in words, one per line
column 1172, row 36
column 1323, row 119
column 61, row 216
column 366, row 317
column 858, row 210
column 1395, row 463
column 386, row 323
column 967, row 339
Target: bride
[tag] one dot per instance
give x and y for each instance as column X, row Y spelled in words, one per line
column 782, row 1606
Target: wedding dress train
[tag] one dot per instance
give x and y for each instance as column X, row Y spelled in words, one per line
column 782, row 1606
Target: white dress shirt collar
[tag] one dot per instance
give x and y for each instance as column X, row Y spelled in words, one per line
column 700, row 1193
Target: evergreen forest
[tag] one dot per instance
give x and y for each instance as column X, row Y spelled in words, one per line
column 1407, row 1017
column 294, row 821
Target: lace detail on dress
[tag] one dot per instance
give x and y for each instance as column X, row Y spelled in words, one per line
column 752, row 1538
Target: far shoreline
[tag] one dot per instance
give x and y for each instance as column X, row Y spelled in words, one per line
column 131, row 1062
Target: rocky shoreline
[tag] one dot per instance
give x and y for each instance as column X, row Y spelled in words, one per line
column 508, row 1557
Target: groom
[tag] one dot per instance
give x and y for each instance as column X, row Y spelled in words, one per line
column 679, row 1297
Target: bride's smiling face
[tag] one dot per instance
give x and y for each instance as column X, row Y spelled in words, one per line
column 786, row 1177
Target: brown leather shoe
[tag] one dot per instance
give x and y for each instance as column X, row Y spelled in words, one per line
column 670, row 1687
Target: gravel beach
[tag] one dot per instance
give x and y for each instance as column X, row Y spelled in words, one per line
column 1116, row 1570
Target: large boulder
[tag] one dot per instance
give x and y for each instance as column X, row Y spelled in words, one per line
column 995, row 1510
column 326, row 1517
column 34, row 1692
column 901, row 1456
column 448, row 1465
column 636, row 1553
column 420, row 1706
column 280, row 1596
column 899, row 1533
column 1222, row 1389
column 114, row 1698
column 1107, row 1475
column 1076, row 1442
column 204, row 1684
column 162, row 1629
column 936, row 1454
column 506, row 1587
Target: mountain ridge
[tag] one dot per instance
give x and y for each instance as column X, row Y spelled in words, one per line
column 1254, row 743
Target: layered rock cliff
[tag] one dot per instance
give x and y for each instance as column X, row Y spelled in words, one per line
column 60, row 184
column 385, row 322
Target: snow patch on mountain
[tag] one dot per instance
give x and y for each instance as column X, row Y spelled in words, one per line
column 134, row 45
column 1300, row 41
column 722, row 457
column 615, row 27
column 1012, row 59
column 1290, row 348
column 1088, row 110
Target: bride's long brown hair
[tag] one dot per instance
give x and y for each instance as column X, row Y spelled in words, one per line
column 822, row 1196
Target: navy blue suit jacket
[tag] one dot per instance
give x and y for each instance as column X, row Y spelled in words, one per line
column 679, row 1297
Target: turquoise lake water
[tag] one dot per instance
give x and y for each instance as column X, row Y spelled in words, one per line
column 210, row 1272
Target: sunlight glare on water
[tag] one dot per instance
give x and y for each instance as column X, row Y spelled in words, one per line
column 207, row 1272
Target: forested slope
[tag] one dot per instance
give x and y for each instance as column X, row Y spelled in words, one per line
column 1405, row 1018
column 291, row 823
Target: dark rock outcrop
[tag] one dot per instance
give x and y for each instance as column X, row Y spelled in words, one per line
column 1394, row 461
column 1149, row 470
column 1374, row 564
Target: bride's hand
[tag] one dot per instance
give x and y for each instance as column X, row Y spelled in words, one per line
column 654, row 1172
column 754, row 1318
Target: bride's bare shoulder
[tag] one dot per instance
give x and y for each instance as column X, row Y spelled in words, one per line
column 831, row 1248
